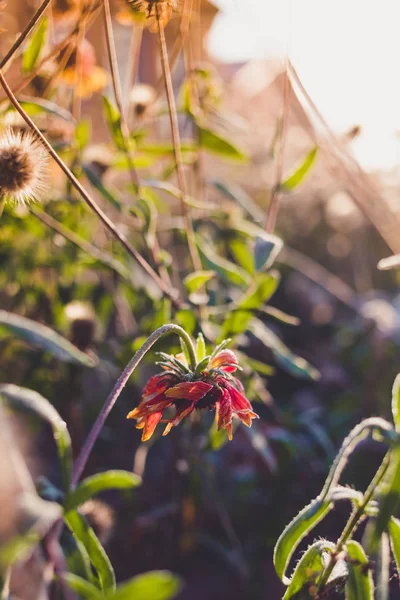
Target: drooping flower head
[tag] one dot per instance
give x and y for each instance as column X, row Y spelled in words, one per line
column 212, row 385
column 23, row 166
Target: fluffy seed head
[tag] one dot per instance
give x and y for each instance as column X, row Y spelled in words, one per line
column 23, row 166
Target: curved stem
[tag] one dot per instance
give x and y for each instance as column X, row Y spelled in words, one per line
column 86, row 197
column 25, row 33
column 119, row 386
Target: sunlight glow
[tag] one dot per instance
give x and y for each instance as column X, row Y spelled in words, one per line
column 346, row 54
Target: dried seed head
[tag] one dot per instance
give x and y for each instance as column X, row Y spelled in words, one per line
column 23, row 166
column 142, row 99
column 154, row 10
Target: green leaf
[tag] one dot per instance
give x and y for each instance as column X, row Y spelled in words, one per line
column 35, row 46
column 28, row 399
column 226, row 269
column 242, row 254
column 359, row 584
column 195, row 281
column 113, row 119
column 389, row 501
column 82, row 134
column 44, row 337
column 297, row 529
column 261, row 290
column 394, row 531
column 217, row 437
column 237, row 194
column 95, row 484
column 396, row 403
column 295, row 365
column 266, row 250
column 309, row 569
column 97, row 555
column 215, row 144
column 201, row 350
column 39, row 106
column 300, row 173
column 84, row 588
column 97, row 183
column 156, row 585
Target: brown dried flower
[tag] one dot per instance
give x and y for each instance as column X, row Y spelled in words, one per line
column 23, row 166
column 154, row 11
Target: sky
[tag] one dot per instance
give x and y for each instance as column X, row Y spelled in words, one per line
column 345, row 51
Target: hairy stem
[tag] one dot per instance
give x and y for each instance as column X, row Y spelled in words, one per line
column 22, row 37
column 354, row 519
column 86, row 197
column 194, row 253
column 119, row 386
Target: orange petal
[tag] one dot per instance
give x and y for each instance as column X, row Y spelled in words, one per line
column 151, row 423
column 190, row 390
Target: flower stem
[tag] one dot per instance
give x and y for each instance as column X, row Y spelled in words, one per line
column 119, row 386
column 21, row 38
column 354, row 519
column 194, row 253
column 86, row 197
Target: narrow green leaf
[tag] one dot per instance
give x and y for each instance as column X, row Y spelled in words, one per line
column 389, row 501
column 214, row 143
column 95, row 484
column 35, row 46
column 28, row 399
column 295, row 365
column 309, row 569
column 237, row 194
column 396, row 403
column 297, row 529
column 394, row 531
column 39, row 106
column 156, row 585
column 84, row 588
column 97, row 183
column 195, row 281
column 97, row 555
column 44, row 337
column 226, row 269
column 201, row 350
column 113, row 119
column 266, row 250
column 300, row 173
column 359, row 584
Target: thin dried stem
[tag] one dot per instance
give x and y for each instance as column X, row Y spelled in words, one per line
column 275, row 195
column 116, row 82
column 25, row 33
column 86, row 197
column 194, row 253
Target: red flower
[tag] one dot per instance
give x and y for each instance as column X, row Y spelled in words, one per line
column 212, row 387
